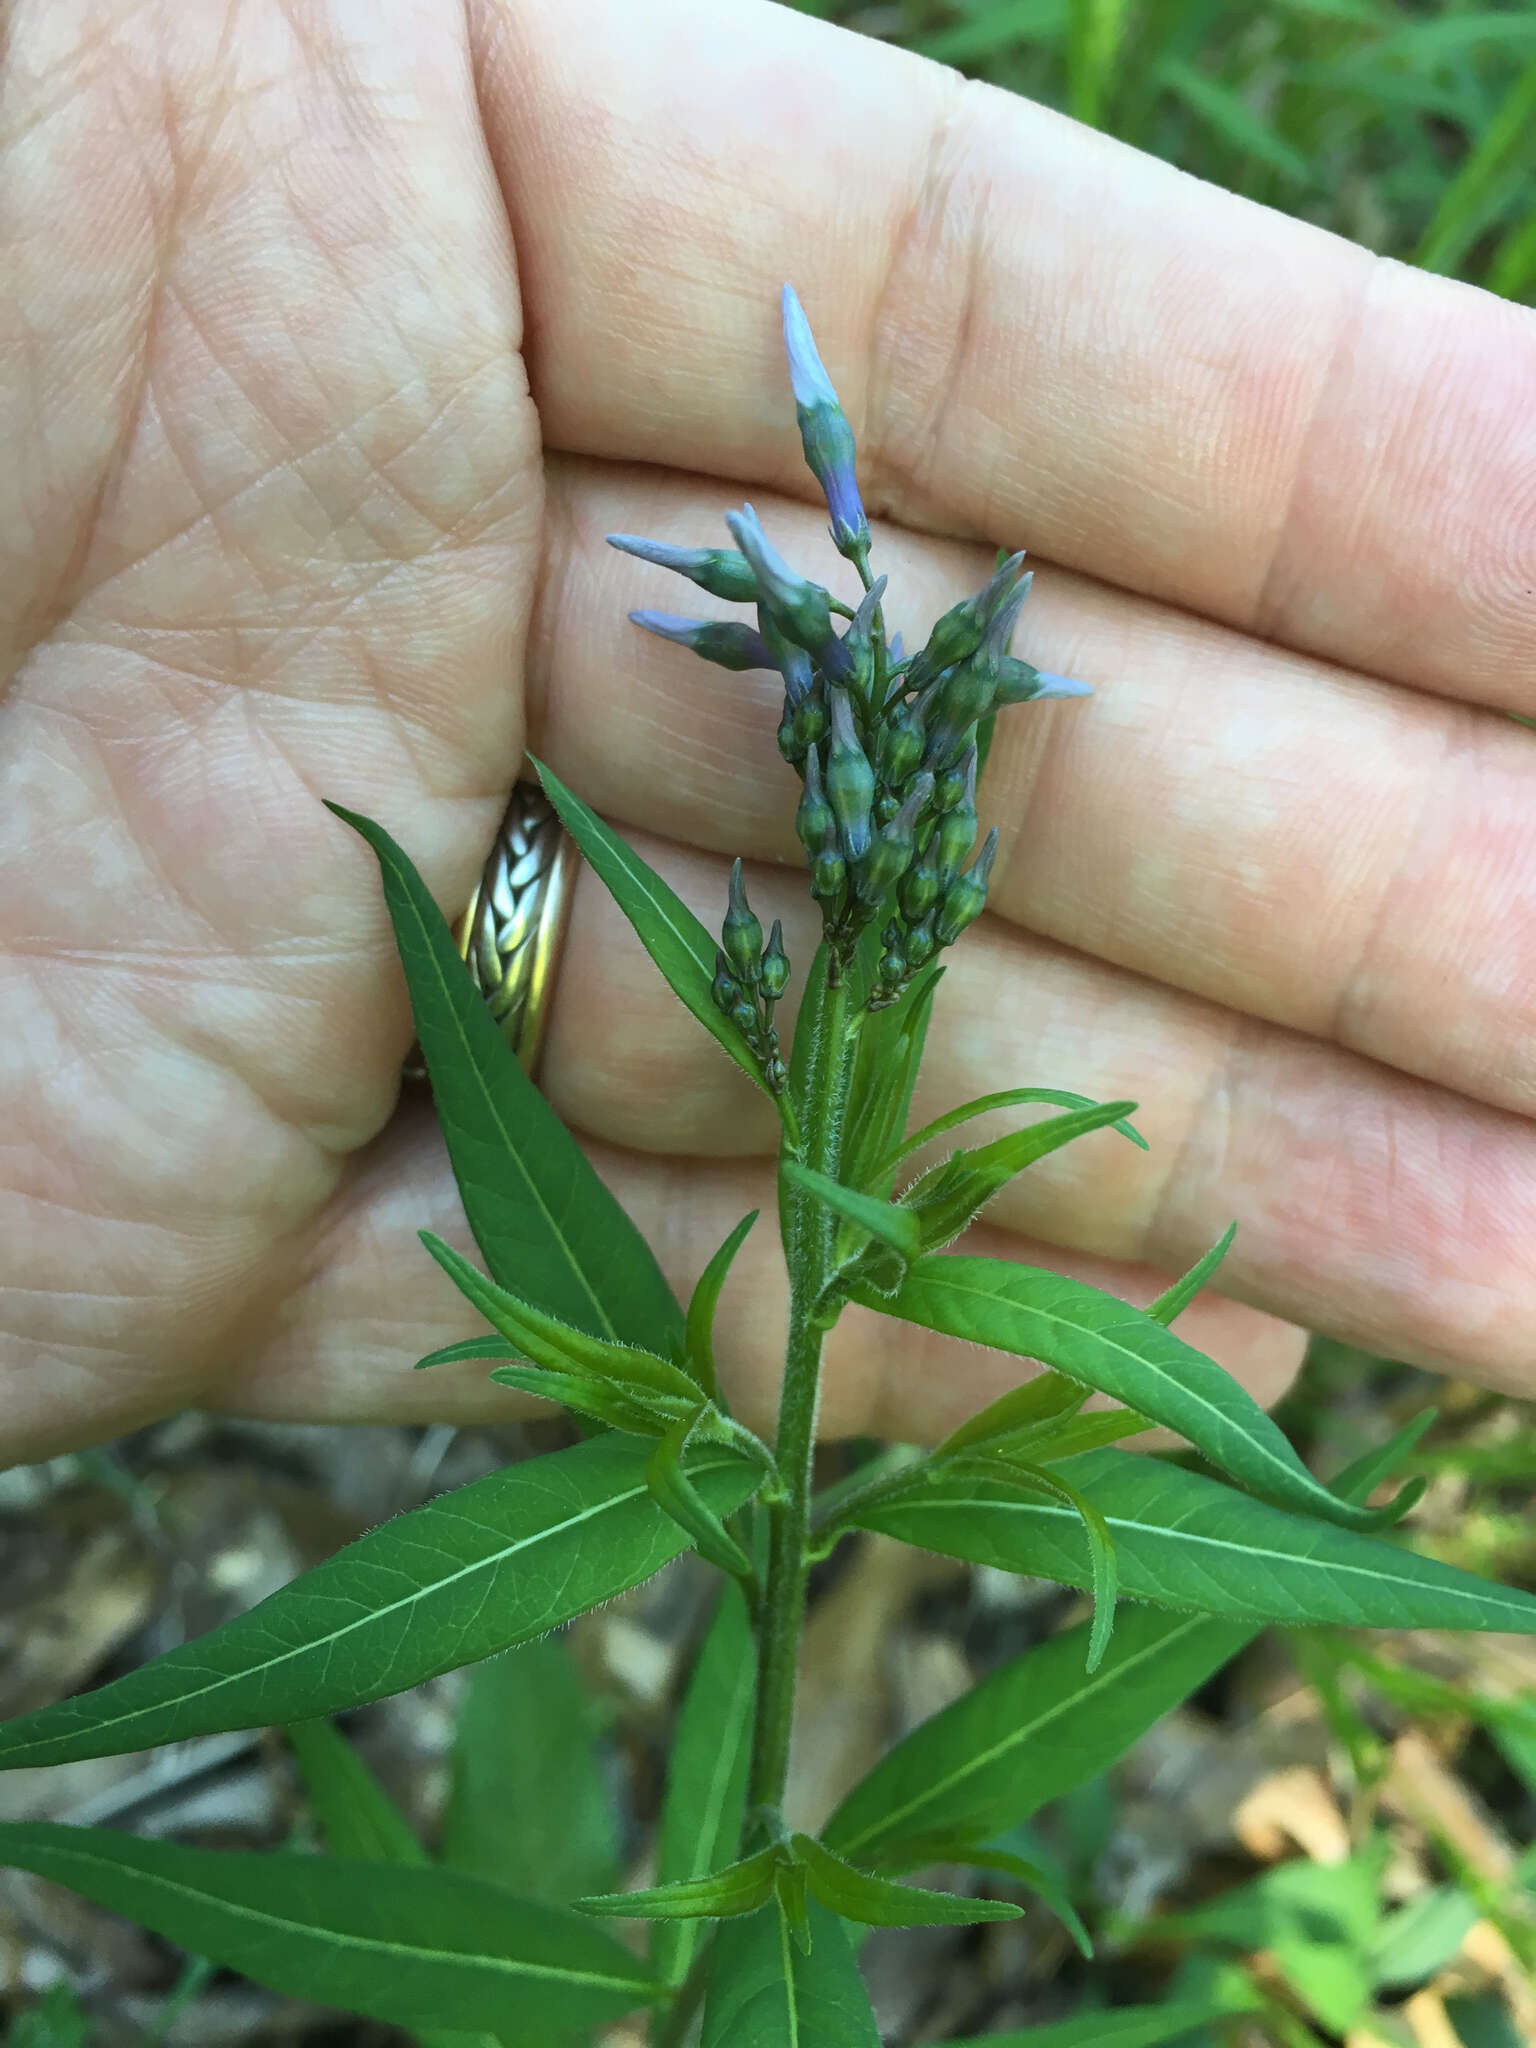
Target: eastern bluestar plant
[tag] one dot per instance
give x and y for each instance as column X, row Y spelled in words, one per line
column 1183, row 1562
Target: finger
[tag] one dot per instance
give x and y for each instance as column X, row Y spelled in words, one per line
column 374, row 1303
column 1369, row 1206
column 1041, row 335
column 1288, row 839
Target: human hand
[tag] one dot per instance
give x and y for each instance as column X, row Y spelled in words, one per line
column 284, row 523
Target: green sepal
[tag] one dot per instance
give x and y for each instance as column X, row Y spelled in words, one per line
column 676, row 940
column 880, row 1901
column 559, row 1347
column 471, row 1347
column 950, row 1195
column 698, row 1337
column 675, row 1493
column 738, row 1888
column 1006, row 1098
column 1178, row 1297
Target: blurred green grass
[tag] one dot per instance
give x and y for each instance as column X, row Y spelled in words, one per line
column 1411, row 129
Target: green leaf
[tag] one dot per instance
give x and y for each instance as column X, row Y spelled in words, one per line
column 1494, row 170
column 881, row 1220
column 416, row 1947
column 720, row 1894
column 1007, row 1098
column 698, row 1336
column 701, row 1816
column 1048, row 1399
column 506, row 1558
column 765, row 1992
column 1035, row 1728
column 679, row 944
column 890, row 1051
column 951, row 1194
column 1186, row 1541
column 1129, row 2026
column 470, row 1347
column 879, row 1902
column 674, row 1492
column 1101, row 1556
column 942, row 1850
column 356, row 1816
column 639, row 1375
column 1361, row 1479
column 582, row 1396
column 1229, row 116
column 1178, row 1297
column 360, row 1822
column 1108, row 1345
column 542, row 1218
column 56, row 2021
column 1413, row 1944
column 528, row 1806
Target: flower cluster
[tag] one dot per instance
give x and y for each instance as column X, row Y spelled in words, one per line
column 887, row 746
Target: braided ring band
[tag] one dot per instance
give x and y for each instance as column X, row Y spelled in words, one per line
column 511, row 933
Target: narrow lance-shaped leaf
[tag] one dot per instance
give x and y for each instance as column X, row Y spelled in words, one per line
column 890, row 1052
column 1101, row 1555
column 1050, row 1397
column 355, row 1814
column 415, row 1947
column 1006, row 1098
column 922, row 1850
column 560, row 1346
column 542, row 1218
column 699, row 1338
column 674, row 1491
column 497, row 1562
column 529, row 1805
column 1030, row 1731
column 701, row 1815
column 676, row 940
column 881, row 1220
column 486, row 1347
column 582, row 1396
column 738, row 1888
column 880, row 1902
column 1108, row 1345
column 949, row 1195
column 1178, row 1297
column 1186, row 1541
column 765, row 1991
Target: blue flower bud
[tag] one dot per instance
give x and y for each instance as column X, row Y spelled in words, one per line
column 858, row 644
column 775, row 968
column 802, row 611
column 720, row 571
column 1019, row 683
column 829, row 872
column 811, row 720
column 742, row 933
column 792, row 662
column 957, row 828
column 919, row 887
column 966, row 896
column 957, row 784
column 850, row 781
column 724, row 988
column 825, row 434
column 725, row 642
column 896, row 653
column 901, row 744
column 920, row 943
column 887, row 859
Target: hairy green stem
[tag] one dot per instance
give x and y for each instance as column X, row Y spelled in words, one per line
column 809, row 1229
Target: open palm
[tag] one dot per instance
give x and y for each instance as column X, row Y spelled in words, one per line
column 332, row 352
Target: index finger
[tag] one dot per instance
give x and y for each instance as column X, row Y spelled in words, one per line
column 1042, row 336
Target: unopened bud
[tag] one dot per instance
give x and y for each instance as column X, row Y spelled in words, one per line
column 814, row 822
column 811, row 719
column 775, row 967
column 1019, row 683
column 792, row 662
column 957, row 827
column 726, row 642
column 801, row 610
column 966, row 896
column 850, row 781
column 959, row 633
column 954, row 785
column 829, row 874
column 724, row 988
column 825, row 434
column 901, row 744
column 887, row 860
column 920, row 885
column 720, row 571
column 744, row 1017
column 920, row 943
column 893, row 967
column 742, row 934
column 858, row 643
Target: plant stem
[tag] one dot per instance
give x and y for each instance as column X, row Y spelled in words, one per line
column 809, row 1230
